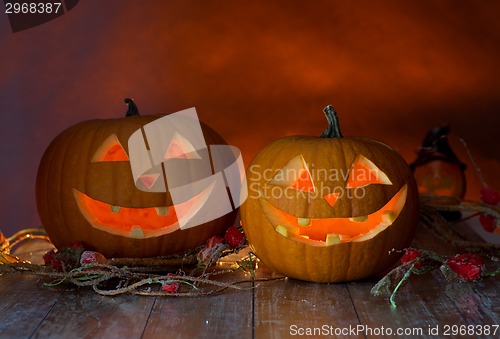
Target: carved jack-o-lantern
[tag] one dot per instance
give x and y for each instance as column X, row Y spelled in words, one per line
column 86, row 191
column 329, row 209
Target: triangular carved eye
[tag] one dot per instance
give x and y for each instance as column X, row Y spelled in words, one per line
column 110, row 150
column 331, row 198
column 148, row 180
column 363, row 172
column 294, row 174
column 181, row 148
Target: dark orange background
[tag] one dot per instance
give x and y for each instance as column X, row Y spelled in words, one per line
column 255, row 71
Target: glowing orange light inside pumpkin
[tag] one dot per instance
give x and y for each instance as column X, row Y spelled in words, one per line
column 363, row 172
column 125, row 218
column 148, row 180
column 181, row 148
column 303, row 182
column 294, row 174
column 115, row 153
column 110, row 150
column 351, row 229
column 331, row 198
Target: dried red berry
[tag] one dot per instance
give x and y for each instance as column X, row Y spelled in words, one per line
column 468, row 266
column 488, row 222
column 57, row 264
column 410, row 255
column 234, row 237
column 77, row 245
column 214, row 241
column 171, row 287
column 213, row 246
column 47, row 257
column 53, row 259
column 91, row 257
column 490, row 196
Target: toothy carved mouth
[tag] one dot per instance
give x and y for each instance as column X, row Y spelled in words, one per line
column 331, row 231
column 138, row 223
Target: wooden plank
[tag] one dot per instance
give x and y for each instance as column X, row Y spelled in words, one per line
column 422, row 306
column 276, row 309
column 83, row 313
column 227, row 315
column 479, row 303
column 23, row 305
column 428, row 302
column 289, row 308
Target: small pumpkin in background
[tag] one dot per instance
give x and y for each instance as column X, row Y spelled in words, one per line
column 329, row 208
column 85, row 192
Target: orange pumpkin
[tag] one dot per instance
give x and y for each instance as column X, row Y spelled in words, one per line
column 86, row 193
column 329, row 209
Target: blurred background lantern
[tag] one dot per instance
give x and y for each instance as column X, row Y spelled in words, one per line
column 437, row 169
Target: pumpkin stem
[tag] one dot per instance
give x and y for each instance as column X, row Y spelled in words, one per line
column 333, row 129
column 132, row 108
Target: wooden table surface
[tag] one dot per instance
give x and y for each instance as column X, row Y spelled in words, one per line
column 428, row 306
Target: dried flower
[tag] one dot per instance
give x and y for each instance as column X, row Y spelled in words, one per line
column 212, row 251
column 65, row 259
column 212, row 241
column 466, row 267
column 411, row 255
column 488, row 222
column 489, row 195
column 234, row 237
column 92, row 257
column 50, row 259
column 170, row 286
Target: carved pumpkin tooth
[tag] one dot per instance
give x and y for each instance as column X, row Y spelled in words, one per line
column 162, row 211
column 344, row 237
column 127, row 153
column 332, row 239
column 303, row 221
column 287, row 231
column 282, row 230
column 388, row 217
column 360, row 218
column 338, row 249
column 137, row 232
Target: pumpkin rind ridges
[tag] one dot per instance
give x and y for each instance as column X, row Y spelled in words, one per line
column 346, row 261
column 66, row 165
